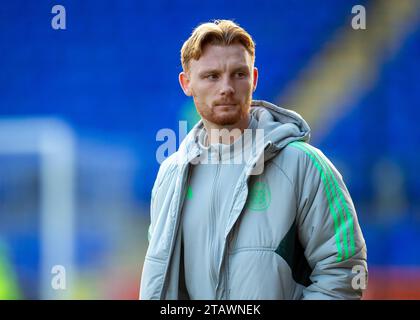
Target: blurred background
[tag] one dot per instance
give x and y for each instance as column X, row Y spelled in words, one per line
column 80, row 109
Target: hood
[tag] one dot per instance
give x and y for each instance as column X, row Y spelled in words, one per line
column 281, row 127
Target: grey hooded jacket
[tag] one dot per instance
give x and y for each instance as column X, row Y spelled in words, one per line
column 292, row 230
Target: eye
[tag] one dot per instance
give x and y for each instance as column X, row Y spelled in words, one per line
column 240, row 74
column 212, row 76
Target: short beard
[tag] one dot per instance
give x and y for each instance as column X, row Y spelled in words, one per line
column 227, row 119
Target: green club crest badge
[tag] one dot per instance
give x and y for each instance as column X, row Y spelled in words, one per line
column 259, row 197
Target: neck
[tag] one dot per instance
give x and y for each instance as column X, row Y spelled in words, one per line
column 225, row 134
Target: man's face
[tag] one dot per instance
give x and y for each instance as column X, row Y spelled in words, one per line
column 221, row 83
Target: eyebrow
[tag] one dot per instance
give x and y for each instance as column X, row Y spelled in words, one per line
column 241, row 68
column 208, row 71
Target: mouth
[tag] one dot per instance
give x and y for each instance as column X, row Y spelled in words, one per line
column 227, row 105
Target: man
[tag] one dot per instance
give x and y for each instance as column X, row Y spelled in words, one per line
column 280, row 224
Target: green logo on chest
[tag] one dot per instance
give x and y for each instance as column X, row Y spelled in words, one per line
column 259, row 197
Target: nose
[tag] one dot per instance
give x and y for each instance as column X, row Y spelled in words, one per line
column 226, row 87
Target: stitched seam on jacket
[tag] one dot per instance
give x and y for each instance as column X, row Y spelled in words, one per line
column 162, row 261
column 244, row 249
column 288, row 179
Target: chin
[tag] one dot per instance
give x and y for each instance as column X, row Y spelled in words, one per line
column 225, row 122
column 222, row 117
column 226, row 119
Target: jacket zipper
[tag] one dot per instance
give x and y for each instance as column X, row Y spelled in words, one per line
column 220, row 291
column 229, row 237
column 214, row 197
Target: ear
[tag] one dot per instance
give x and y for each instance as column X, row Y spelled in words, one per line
column 184, row 81
column 255, row 79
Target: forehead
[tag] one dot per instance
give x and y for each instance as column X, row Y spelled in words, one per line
column 221, row 57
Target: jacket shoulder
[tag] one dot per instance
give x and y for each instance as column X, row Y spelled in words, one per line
column 298, row 150
column 300, row 159
column 292, row 155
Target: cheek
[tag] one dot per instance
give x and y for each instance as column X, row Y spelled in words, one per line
column 202, row 92
column 200, row 99
column 245, row 87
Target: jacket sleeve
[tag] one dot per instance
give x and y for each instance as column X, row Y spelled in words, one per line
column 166, row 171
column 152, row 207
column 329, row 230
column 153, row 199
